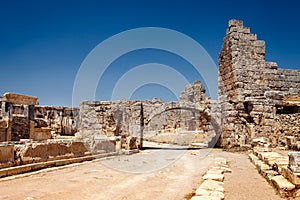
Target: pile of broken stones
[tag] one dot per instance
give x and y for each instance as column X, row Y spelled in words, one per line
column 281, row 171
column 212, row 186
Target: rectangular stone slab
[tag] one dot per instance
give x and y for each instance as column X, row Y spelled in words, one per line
column 19, row 99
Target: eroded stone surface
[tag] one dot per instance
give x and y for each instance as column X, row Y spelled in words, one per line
column 294, row 161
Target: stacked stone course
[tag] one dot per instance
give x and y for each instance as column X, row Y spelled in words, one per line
column 250, row 89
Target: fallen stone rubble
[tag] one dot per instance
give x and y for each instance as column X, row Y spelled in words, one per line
column 281, row 171
column 212, row 186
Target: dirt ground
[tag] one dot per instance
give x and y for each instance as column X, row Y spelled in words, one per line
column 164, row 172
column 245, row 182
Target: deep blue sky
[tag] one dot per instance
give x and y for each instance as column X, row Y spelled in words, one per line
column 43, row 43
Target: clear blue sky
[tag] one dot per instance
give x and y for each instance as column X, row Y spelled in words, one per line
column 43, row 43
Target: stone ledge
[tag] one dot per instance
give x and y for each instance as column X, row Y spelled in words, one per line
column 37, row 166
column 19, row 99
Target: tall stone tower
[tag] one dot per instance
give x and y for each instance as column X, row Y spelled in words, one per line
column 242, row 85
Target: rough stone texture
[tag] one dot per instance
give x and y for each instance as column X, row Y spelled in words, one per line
column 61, row 120
column 183, row 122
column 6, row 153
column 40, row 134
column 215, row 177
column 293, row 177
column 282, row 184
column 251, row 89
column 212, row 185
column 287, row 129
column 294, row 161
column 210, row 194
column 17, row 114
column 20, row 128
column 281, row 177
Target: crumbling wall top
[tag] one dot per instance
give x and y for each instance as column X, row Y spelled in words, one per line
column 234, row 22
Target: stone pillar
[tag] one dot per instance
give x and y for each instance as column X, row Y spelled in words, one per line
column 7, row 110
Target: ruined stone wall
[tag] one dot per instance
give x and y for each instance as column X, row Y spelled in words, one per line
column 287, row 126
column 283, row 80
column 20, row 128
column 249, row 87
column 154, row 119
column 61, row 120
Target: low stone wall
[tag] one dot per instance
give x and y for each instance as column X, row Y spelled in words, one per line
column 27, row 151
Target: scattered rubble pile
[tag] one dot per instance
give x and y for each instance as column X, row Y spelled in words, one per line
column 212, row 186
column 282, row 171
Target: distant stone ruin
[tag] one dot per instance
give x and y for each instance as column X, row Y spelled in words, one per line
column 130, row 121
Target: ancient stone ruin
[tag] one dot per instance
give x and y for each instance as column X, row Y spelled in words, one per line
column 258, row 106
column 258, row 100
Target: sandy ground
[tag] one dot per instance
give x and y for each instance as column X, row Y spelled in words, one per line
column 156, row 173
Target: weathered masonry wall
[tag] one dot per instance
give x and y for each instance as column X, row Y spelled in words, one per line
column 17, row 113
column 250, row 89
column 188, row 120
column 21, row 118
column 61, row 120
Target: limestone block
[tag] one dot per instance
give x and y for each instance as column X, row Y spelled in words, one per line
column 34, row 150
column 6, row 153
column 293, row 177
column 19, row 99
column 269, row 174
column 280, row 163
column 215, row 177
column 202, row 192
column 212, row 185
column 205, row 198
column 282, row 184
column 294, row 161
column 40, row 134
column 220, row 161
column 78, row 148
column 216, row 170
